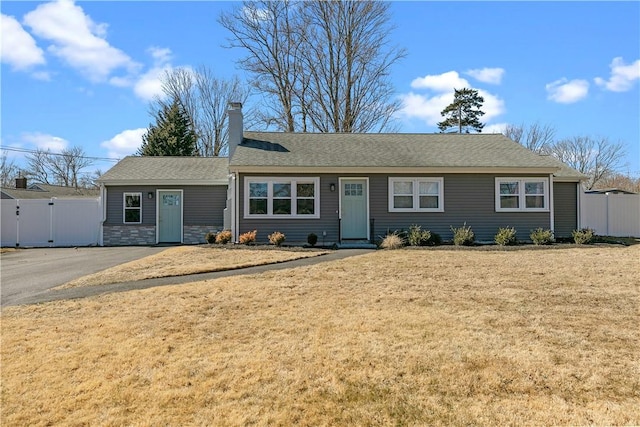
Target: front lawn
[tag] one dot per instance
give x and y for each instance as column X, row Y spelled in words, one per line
column 405, row 337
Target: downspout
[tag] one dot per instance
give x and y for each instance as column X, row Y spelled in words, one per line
column 103, row 206
column 236, row 208
column 551, row 207
column 580, row 196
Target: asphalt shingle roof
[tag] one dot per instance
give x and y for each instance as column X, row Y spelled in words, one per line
column 395, row 150
column 47, row 191
column 149, row 169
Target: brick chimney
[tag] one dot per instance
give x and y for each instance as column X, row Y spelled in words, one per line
column 21, row 182
column 235, row 126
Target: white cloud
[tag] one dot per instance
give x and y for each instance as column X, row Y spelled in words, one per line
column 567, row 92
column 425, row 107
column 41, row 75
column 495, row 128
column 493, row 106
column 45, row 142
column 18, row 48
column 622, row 75
column 78, row 40
column 161, row 55
column 487, row 75
column 148, row 85
column 125, row 143
column 445, row 82
column 428, row 107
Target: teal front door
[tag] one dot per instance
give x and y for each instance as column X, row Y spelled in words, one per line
column 169, row 216
column 354, row 223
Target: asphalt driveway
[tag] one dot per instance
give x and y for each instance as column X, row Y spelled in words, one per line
column 27, row 275
column 28, row 272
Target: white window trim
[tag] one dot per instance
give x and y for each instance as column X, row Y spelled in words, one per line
column 124, row 206
column 416, row 196
column 521, row 194
column 270, row 180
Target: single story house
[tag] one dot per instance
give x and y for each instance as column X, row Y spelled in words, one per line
column 151, row 200
column 356, row 187
column 345, row 188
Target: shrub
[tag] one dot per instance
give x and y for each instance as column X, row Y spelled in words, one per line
column 277, row 238
column 540, row 236
column 392, row 241
column 463, row 236
column 223, row 237
column 312, row 239
column 505, row 236
column 417, row 236
column 248, row 237
column 434, row 240
column 210, row 237
column 583, row 237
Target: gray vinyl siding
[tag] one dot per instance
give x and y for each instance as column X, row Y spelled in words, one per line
column 203, row 205
column 468, row 198
column 565, row 201
column 297, row 230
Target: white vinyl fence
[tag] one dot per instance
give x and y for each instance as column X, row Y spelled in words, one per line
column 611, row 214
column 50, row 222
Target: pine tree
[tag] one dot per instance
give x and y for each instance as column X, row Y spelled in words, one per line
column 464, row 112
column 172, row 135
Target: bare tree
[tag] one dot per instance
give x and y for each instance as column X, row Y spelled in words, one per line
column 8, row 171
column 269, row 31
column 57, row 168
column 596, row 158
column 88, row 179
column 65, row 167
column 347, row 56
column 620, row 181
column 322, row 65
column 204, row 97
column 37, row 166
column 538, row 138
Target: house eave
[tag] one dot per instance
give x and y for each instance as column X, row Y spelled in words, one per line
column 163, row 182
column 392, row 170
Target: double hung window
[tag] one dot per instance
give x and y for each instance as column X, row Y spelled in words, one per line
column 416, row 195
column 522, row 194
column 132, row 208
column 282, row 197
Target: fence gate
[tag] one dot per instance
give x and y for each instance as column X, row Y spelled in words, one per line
column 50, row 222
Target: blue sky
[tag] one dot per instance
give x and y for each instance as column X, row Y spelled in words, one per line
column 83, row 73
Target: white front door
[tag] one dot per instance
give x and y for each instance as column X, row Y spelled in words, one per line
column 354, row 214
column 169, row 216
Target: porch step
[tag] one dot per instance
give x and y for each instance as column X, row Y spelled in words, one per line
column 356, row 245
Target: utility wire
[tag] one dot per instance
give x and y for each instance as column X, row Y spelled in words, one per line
column 26, row 150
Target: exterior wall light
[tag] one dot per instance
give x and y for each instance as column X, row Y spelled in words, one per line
column 332, row 187
column 150, row 194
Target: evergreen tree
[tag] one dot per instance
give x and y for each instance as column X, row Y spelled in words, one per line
column 172, row 135
column 464, row 112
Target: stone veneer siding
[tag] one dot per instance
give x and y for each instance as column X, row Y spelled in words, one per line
column 125, row 235
column 194, row 234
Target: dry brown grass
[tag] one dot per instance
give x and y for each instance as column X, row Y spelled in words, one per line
column 183, row 260
column 407, row 337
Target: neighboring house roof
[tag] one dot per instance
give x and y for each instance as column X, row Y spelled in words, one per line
column 47, row 191
column 407, row 152
column 165, row 170
column 609, row 190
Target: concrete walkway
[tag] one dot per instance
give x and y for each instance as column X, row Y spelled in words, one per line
column 87, row 291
